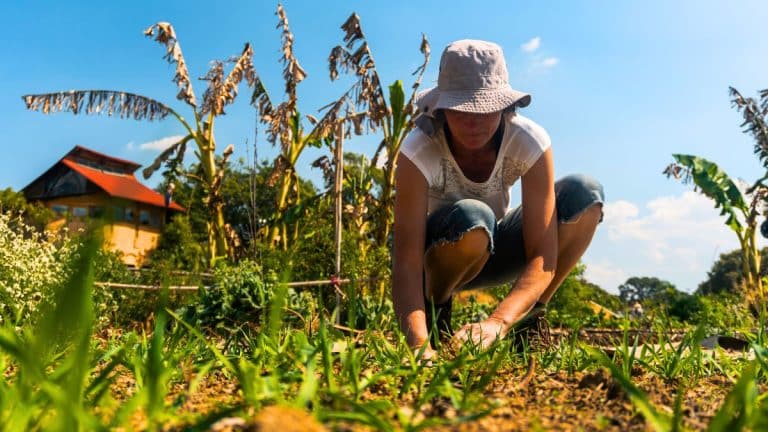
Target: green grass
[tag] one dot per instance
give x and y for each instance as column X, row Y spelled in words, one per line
column 60, row 377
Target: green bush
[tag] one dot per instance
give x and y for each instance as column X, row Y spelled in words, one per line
column 32, row 263
column 722, row 313
column 32, row 214
column 178, row 248
column 240, row 297
column 569, row 306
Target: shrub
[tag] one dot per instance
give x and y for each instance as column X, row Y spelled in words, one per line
column 31, row 264
column 570, row 308
column 127, row 307
column 239, row 297
column 722, row 313
column 178, row 247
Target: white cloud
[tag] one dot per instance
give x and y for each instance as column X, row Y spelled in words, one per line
column 607, row 275
column 161, row 144
column 129, row 146
column 550, row 62
column 532, row 45
column 620, row 210
column 675, row 238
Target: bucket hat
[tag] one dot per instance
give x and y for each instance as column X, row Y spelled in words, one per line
column 473, row 78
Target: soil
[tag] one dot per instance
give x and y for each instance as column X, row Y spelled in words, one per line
column 544, row 401
column 524, row 399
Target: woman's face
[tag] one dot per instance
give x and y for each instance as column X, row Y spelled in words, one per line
column 472, row 131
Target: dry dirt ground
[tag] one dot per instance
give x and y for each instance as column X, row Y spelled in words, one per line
column 556, row 401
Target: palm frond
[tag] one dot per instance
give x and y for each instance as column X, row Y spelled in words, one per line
column 426, row 51
column 754, row 120
column 221, row 91
column 714, row 183
column 179, row 148
column 278, row 129
column 293, row 73
column 327, row 124
column 109, row 102
column 278, row 119
column 261, row 101
column 355, row 55
column 166, row 35
column 281, row 167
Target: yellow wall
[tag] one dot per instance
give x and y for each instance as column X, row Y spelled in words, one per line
column 134, row 242
column 131, row 238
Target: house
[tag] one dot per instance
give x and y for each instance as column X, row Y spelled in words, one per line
column 87, row 184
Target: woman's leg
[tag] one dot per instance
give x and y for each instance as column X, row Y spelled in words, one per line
column 573, row 238
column 579, row 201
column 459, row 242
column 449, row 266
column 580, row 210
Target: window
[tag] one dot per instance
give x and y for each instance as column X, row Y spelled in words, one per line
column 70, row 183
column 60, row 209
column 144, row 217
column 79, row 211
column 154, row 219
column 130, row 215
column 118, row 214
column 96, row 211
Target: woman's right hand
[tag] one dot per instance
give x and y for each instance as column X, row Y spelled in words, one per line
column 427, row 357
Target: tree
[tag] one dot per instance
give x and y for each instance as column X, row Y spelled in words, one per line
column 178, row 247
column 249, row 201
column 570, row 302
column 16, row 206
column 393, row 115
column 726, row 275
column 222, row 91
column 741, row 209
column 645, row 288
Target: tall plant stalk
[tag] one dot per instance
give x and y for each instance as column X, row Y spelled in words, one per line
column 284, row 126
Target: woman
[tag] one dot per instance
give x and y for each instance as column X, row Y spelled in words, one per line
column 453, row 229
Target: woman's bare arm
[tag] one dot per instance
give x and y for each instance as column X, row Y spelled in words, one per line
column 540, row 236
column 408, row 255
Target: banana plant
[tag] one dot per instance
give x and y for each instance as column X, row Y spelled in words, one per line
column 393, row 115
column 741, row 209
column 222, row 91
column 284, row 127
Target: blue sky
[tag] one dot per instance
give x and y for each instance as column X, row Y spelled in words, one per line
column 618, row 85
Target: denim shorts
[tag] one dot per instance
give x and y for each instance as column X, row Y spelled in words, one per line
column 573, row 195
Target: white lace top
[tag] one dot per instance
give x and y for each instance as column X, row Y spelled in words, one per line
column 522, row 144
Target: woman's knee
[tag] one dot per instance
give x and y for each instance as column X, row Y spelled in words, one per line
column 577, row 195
column 467, row 221
column 474, row 242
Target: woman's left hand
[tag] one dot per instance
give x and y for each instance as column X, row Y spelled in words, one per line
column 481, row 334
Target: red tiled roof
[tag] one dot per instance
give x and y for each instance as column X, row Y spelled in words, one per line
column 121, row 185
column 80, row 150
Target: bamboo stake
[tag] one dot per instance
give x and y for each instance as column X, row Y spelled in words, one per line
column 339, row 161
column 147, row 287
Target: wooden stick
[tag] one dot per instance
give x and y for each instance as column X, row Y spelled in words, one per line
column 318, row 282
column 339, row 160
column 147, row 287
